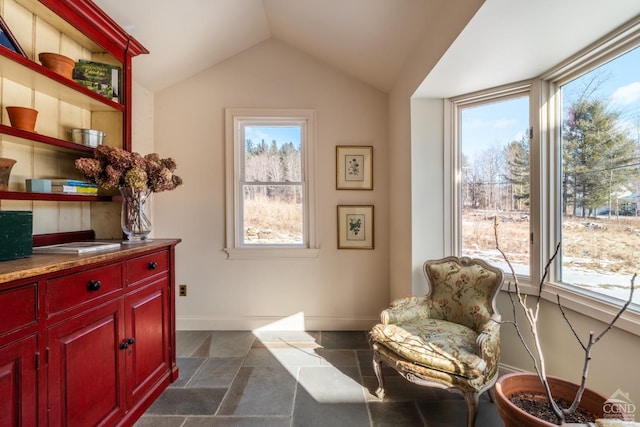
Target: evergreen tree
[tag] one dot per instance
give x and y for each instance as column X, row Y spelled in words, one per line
column 597, row 156
column 517, row 154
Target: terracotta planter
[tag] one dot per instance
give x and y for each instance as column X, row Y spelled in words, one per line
column 513, row 416
column 23, row 118
column 5, row 171
column 57, row 63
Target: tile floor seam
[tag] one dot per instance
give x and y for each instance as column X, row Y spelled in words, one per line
column 295, row 395
column 196, row 372
column 228, row 388
column 420, row 414
column 364, row 390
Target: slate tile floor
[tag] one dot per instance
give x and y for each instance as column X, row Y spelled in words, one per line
column 296, row 379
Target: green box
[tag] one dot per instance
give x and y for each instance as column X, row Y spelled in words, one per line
column 16, row 234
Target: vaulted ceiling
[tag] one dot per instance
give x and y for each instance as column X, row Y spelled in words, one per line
column 371, row 40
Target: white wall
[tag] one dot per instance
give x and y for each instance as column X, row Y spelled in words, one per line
column 427, row 187
column 613, row 364
column 407, row 170
column 343, row 289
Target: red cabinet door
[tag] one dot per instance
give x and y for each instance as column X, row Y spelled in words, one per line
column 86, row 368
column 147, row 325
column 18, row 383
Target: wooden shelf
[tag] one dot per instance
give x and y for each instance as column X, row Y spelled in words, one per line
column 88, row 25
column 19, row 135
column 55, row 197
column 23, row 71
column 41, row 10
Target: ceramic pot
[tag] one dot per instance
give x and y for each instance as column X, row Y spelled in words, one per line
column 5, row 171
column 513, row 416
column 22, row 118
column 57, row 63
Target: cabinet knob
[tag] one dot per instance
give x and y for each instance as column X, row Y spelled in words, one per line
column 152, row 265
column 126, row 343
column 93, row 285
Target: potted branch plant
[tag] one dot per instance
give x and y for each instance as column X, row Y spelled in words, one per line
column 538, row 399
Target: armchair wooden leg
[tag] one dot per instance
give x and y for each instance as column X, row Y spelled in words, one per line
column 377, row 368
column 492, row 395
column 472, row 408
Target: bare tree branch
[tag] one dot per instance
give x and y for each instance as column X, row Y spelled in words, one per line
column 531, row 315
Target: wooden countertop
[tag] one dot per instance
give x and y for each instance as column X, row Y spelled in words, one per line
column 39, row 264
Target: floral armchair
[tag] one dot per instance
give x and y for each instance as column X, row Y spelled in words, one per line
column 449, row 338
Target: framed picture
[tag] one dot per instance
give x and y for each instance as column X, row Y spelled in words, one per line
column 355, row 227
column 7, row 40
column 354, row 167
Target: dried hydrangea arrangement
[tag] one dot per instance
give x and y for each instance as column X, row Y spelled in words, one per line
column 115, row 167
column 136, row 177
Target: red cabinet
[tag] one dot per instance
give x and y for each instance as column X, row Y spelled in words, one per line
column 86, row 368
column 147, row 328
column 18, row 382
column 90, row 340
column 19, row 354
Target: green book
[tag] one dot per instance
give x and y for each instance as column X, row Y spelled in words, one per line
column 104, row 79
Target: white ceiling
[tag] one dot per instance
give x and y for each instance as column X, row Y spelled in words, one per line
column 368, row 39
column 507, row 40
column 513, row 40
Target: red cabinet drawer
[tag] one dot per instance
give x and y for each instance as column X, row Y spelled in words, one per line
column 146, row 266
column 19, row 307
column 66, row 292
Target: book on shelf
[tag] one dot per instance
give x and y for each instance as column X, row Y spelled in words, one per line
column 73, row 182
column 74, row 189
column 75, row 248
column 104, row 79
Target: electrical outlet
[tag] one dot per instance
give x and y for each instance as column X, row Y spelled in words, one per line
column 182, row 290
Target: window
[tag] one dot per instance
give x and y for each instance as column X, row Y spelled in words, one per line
column 574, row 180
column 600, row 177
column 494, row 178
column 270, row 196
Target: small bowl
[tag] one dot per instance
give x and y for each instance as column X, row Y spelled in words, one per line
column 22, row 118
column 57, row 63
column 88, row 137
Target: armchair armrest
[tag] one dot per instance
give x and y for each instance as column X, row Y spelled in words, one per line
column 405, row 309
column 488, row 344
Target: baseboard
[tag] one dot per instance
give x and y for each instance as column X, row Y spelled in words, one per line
column 296, row 322
column 508, row 369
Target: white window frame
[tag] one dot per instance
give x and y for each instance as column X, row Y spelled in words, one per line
column 456, row 105
column 545, row 161
column 235, row 119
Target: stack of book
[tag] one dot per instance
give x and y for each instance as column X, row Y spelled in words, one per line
column 98, row 77
column 73, row 186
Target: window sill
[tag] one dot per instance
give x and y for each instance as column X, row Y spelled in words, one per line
column 271, row 253
column 600, row 308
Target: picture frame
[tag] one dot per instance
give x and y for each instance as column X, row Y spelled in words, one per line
column 354, row 167
column 355, row 227
column 8, row 40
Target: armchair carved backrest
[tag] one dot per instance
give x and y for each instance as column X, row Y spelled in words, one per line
column 462, row 290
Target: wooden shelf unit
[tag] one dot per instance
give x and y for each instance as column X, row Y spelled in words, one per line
column 86, row 30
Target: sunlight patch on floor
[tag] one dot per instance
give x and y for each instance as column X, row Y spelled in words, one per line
column 301, row 354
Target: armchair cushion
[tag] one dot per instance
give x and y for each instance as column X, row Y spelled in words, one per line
column 437, row 344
